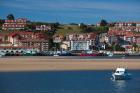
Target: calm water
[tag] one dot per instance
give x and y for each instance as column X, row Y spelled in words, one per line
column 67, row 82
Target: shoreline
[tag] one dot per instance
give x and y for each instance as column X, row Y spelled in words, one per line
column 17, row 64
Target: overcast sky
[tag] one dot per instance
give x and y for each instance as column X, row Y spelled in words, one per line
column 72, row 11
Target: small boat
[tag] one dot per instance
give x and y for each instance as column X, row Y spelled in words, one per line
column 121, row 74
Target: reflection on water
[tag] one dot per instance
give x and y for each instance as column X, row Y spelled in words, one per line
column 119, row 85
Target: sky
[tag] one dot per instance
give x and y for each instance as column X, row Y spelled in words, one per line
column 72, row 11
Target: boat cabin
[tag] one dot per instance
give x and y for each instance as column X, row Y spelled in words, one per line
column 120, row 70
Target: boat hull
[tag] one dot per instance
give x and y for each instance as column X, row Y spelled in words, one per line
column 121, row 77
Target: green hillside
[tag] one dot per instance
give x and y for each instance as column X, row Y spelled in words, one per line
column 68, row 29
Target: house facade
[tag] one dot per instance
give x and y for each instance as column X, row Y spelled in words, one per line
column 125, row 38
column 17, row 24
column 25, row 40
column 126, row 26
column 43, row 28
column 81, row 42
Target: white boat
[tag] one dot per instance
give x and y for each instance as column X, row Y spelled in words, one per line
column 121, row 74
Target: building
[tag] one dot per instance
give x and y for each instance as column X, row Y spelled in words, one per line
column 58, row 38
column 42, row 45
column 80, row 42
column 137, row 39
column 137, row 24
column 32, row 40
column 121, row 24
column 126, row 26
column 80, row 45
column 125, row 38
column 43, row 28
column 103, row 37
column 17, row 24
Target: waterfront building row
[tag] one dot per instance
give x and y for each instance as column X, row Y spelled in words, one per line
column 88, row 41
column 24, row 40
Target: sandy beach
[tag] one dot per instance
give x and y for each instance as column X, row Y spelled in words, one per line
column 10, row 64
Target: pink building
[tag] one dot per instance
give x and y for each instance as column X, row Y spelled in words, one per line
column 126, row 36
column 25, row 39
column 127, row 26
column 14, row 24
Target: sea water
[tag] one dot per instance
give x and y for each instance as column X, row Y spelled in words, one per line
column 67, row 82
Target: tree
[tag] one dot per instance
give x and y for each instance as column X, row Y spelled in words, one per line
column 102, row 29
column 135, row 46
column 106, row 45
column 1, row 22
column 117, row 47
column 89, row 29
column 55, row 25
column 103, row 23
column 73, row 24
column 83, row 26
column 112, row 24
column 57, row 46
column 10, row 17
column 133, row 24
column 30, row 26
column 49, row 35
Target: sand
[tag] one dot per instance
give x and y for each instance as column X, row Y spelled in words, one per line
column 9, row 64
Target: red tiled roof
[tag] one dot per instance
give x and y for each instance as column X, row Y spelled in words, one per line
column 13, row 34
column 36, row 40
column 25, row 47
column 123, row 33
column 2, row 35
column 26, row 33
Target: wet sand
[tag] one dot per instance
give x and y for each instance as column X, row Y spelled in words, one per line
column 10, row 64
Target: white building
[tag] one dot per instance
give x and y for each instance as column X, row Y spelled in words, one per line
column 81, row 45
column 43, row 28
column 81, row 41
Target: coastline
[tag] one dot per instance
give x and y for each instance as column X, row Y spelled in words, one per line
column 12, row 64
